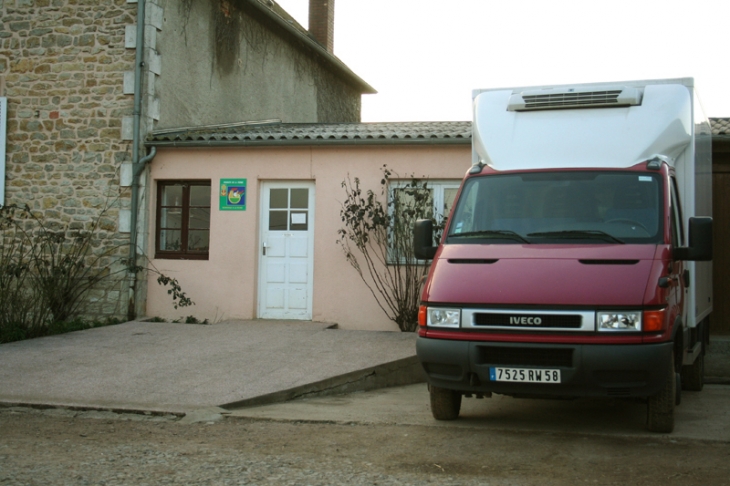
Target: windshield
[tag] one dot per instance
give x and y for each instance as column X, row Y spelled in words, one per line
column 559, row 207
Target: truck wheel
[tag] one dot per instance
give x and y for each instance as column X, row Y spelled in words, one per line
column 693, row 376
column 660, row 407
column 445, row 404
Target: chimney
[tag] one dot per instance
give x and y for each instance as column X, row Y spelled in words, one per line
column 322, row 22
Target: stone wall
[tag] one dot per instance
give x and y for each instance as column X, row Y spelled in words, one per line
column 62, row 64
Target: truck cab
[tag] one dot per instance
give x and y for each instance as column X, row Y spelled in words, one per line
column 575, row 261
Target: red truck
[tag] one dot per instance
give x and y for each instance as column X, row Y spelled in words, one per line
column 576, row 259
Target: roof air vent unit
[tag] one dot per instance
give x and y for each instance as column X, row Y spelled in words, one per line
column 571, row 98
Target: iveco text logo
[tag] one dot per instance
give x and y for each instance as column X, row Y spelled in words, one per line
column 525, row 321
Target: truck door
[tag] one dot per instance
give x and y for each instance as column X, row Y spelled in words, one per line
column 677, row 275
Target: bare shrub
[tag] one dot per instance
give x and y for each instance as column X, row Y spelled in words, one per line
column 47, row 270
column 377, row 239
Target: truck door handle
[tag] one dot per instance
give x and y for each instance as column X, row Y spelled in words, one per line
column 264, row 248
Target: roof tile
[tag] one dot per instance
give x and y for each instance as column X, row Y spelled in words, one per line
column 720, row 126
column 277, row 133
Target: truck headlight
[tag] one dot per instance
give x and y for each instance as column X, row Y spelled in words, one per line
column 439, row 317
column 618, row 321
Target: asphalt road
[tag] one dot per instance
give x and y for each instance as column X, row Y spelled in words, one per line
column 512, row 446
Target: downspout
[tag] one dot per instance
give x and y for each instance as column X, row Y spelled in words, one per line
column 137, row 170
column 138, row 165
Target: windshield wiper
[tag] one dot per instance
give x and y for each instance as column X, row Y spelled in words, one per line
column 492, row 234
column 601, row 235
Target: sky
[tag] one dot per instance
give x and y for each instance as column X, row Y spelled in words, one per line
column 424, row 57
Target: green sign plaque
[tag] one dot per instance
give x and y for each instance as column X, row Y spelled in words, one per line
column 232, row 195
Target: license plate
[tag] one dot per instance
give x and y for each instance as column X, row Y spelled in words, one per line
column 524, row 375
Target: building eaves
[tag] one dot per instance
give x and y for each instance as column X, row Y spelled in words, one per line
column 283, row 20
column 275, row 133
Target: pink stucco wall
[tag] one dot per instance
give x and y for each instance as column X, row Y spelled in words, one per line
column 225, row 286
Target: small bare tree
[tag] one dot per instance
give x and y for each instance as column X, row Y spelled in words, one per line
column 377, row 240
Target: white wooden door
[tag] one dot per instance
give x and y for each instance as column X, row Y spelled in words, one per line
column 285, row 250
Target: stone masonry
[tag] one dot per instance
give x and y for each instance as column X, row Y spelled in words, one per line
column 62, row 64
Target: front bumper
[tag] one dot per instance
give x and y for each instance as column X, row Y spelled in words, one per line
column 587, row 370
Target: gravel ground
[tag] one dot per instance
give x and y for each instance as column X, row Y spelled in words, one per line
column 66, row 447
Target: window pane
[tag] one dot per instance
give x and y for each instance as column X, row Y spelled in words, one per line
column 277, row 220
column 466, row 221
column 170, row 240
column 279, row 198
column 449, row 196
column 198, row 240
column 183, row 225
column 171, row 218
column 678, row 209
column 299, row 221
column 412, row 203
column 547, row 206
column 172, row 195
column 300, row 198
column 199, row 218
column 200, row 196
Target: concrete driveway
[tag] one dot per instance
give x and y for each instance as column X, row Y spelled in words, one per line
column 168, row 367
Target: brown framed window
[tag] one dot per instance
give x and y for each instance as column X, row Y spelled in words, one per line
column 183, row 219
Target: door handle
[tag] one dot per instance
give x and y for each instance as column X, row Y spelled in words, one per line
column 264, row 248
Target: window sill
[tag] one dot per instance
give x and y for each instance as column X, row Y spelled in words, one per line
column 180, row 256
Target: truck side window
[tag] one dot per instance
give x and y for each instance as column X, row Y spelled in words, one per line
column 677, row 228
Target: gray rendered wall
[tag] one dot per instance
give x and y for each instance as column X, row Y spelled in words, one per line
column 221, row 62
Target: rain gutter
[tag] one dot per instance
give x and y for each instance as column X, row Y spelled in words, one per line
column 307, row 143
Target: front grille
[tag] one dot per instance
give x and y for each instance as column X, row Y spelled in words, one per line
column 549, row 320
column 524, row 356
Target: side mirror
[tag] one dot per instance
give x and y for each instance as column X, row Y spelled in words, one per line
column 700, row 241
column 423, row 247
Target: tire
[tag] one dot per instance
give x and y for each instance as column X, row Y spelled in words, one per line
column 445, row 404
column 660, row 407
column 693, row 376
